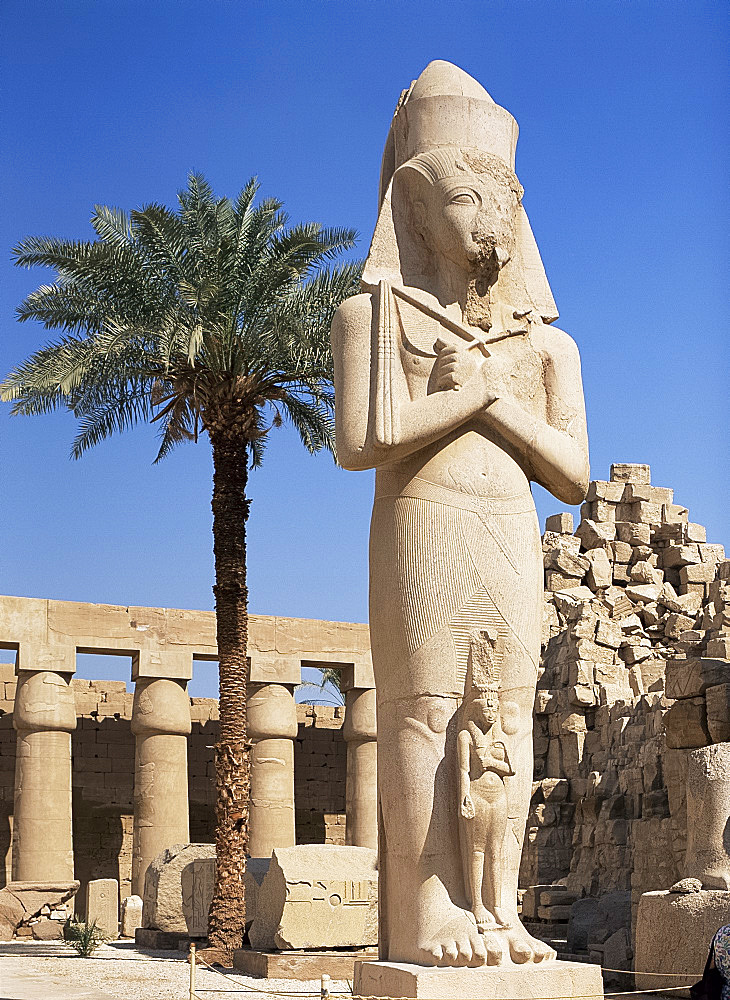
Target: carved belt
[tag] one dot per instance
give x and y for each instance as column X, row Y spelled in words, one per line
column 422, row 489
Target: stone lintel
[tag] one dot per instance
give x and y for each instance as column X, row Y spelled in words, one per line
column 126, row 630
column 358, row 675
column 533, row 981
column 34, row 656
column 171, row 663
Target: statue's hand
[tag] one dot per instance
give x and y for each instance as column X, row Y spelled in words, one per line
column 467, row 807
column 454, row 366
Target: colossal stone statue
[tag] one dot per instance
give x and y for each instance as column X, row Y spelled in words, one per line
column 451, row 383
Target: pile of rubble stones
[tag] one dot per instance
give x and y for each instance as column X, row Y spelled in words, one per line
column 634, row 667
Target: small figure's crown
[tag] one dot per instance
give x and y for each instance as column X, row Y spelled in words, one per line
column 485, row 662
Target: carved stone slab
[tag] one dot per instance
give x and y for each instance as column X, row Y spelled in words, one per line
column 317, row 896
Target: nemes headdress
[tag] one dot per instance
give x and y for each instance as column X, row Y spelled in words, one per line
column 450, row 117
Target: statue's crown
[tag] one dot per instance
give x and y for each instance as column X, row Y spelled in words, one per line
column 447, row 107
column 484, row 668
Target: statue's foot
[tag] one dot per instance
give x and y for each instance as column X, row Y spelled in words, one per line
column 460, row 942
column 523, row 947
column 484, row 919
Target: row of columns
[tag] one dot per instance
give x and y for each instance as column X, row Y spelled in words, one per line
column 45, row 719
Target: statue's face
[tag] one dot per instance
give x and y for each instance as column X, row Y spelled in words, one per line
column 471, row 219
column 486, row 711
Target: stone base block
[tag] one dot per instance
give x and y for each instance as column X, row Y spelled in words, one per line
column 150, row 937
column 540, row 981
column 673, row 935
column 301, row 965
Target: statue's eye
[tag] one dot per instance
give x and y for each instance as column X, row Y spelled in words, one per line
column 463, row 198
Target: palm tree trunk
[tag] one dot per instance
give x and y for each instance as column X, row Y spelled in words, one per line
column 230, row 513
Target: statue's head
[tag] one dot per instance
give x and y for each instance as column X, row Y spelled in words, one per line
column 447, row 186
column 485, row 708
column 463, row 204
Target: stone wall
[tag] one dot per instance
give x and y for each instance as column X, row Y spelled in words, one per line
column 320, row 770
column 103, row 777
column 635, row 594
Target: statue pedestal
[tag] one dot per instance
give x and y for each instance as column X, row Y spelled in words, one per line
column 673, row 934
column 538, row 981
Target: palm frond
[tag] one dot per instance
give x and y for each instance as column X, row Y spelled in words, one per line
column 216, row 308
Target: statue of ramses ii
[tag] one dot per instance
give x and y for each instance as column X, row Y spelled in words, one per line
column 452, row 382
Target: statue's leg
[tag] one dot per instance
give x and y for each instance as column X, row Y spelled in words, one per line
column 517, row 704
column 424, row 918
column 485, row 920
column 495, row 829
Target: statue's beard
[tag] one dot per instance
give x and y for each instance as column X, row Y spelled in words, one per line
column 489, row 258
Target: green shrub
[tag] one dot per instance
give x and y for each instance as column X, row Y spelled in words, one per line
column 84, row 937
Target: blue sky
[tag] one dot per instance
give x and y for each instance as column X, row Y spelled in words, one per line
column 623, row 153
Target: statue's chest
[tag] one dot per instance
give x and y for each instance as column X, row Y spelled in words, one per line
column 515, row 366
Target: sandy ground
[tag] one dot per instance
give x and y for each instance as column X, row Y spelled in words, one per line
column 37, row 970
column 53, row 971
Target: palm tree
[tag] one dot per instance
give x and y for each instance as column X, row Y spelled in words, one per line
column 213, row 318
column 328, row 688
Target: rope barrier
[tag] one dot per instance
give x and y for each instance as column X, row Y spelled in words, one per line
column 325, row 993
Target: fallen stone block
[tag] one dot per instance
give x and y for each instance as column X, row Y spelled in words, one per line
column 701, row 573
column 555, row 914
column 560, row 523
column 685, row 724
column 617, row 953
column 673, row 935
column 131, row 915
column 102, row 906
column 531, row 900
column 600, row 572
column 46, row 929
column 643, row 593
column 626, row 472
column 566, row 562
column 582, row 917
column 595, row 534
column 21, row 901
column 613, row 913
column 719, row 648
column 718, row 712
column 168, row 887
column 317, row 896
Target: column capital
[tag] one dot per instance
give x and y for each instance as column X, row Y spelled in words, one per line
column 44, row 701
column 271, row 712
column 161, row 705
column 360, row 715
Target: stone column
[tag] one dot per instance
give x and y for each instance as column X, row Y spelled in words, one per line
column 161, row 725
column 272, row 725
column 708, row 816
column 360, row 733
column 44, row 717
